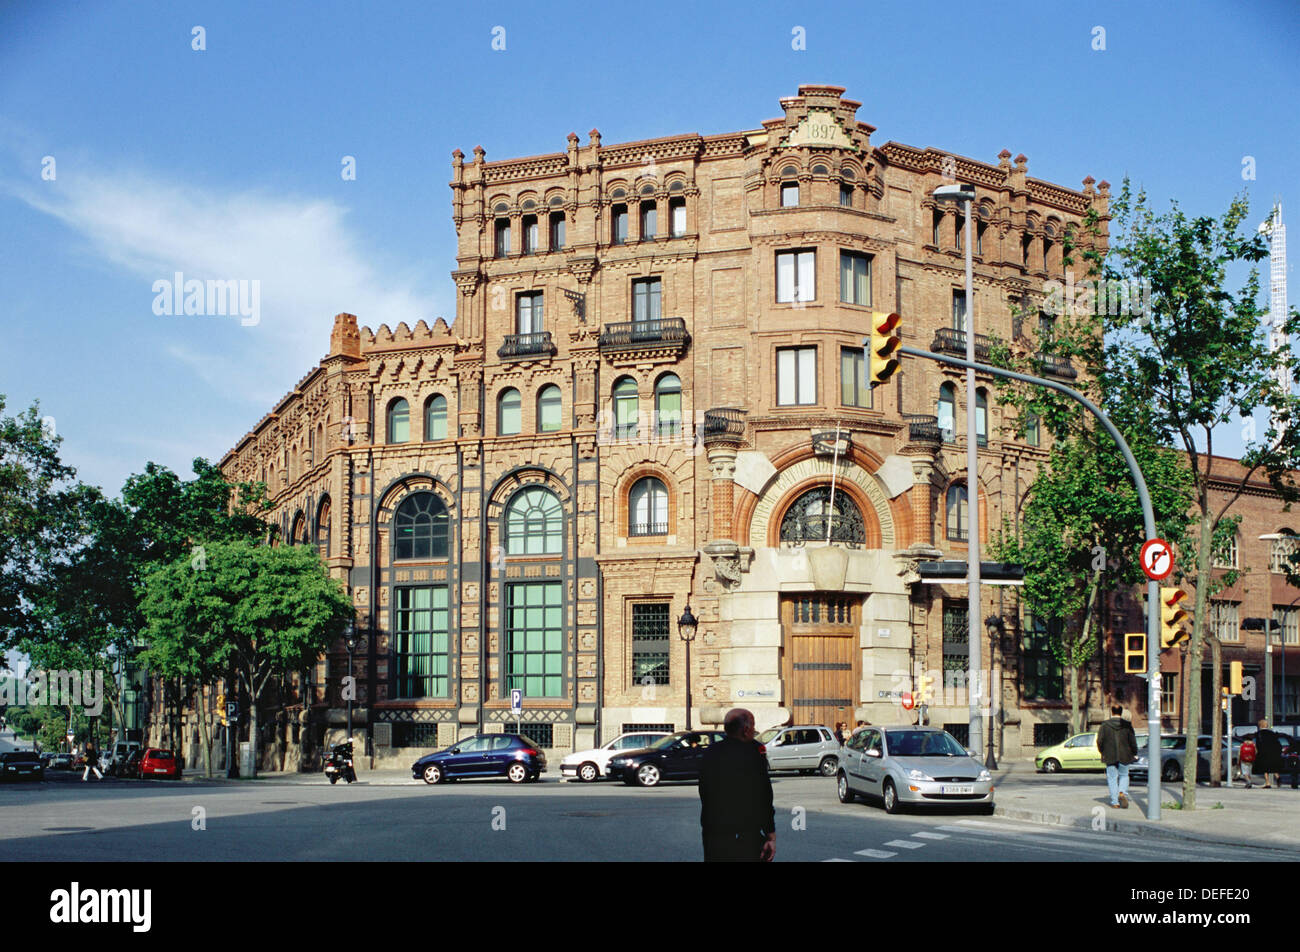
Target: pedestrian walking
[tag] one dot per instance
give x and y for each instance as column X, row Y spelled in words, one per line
column 1118, row 747
column 92, row 762
column 839, row 732
column 1268, row 755
column 737, row 820
column 1246, row 757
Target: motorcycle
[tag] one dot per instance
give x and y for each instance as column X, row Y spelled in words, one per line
column 339, row 763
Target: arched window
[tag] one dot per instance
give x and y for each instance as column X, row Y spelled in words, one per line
column 1225, row 556
column 509, row 412
column 435, row 417
column 956, row 518
column 668, row 405
column 549, row 405
column 298, row 535
column 319, row 455
column 981, row 417
column 399, row 421
column 808, row 517
column 323, row 527
column 420, row 528
column 790, row 187
column 534, row 523
column 625, row 409
column 947, row 411
column 647, row 508
column 1280, row 552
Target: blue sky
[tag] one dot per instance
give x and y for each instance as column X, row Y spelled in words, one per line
column 225, row 162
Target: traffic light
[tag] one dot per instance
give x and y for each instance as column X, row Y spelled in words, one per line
column 1172, row 617
column 1234, row 677
column 885, row 341
column 1135, row 653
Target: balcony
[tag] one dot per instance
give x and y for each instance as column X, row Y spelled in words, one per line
column 665, row 336
column 725, row 424
column 923, row 428
column 1056, row 367
column 950, row 341
column 521, row 346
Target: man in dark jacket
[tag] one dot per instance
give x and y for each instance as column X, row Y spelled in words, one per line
column 1268, row 755
column 1118, row 746
column 736, row 815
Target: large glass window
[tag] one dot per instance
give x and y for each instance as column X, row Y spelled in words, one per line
column 646, row 297
column 650, row 640
column 947, row 411
column 668, row 405
column 535, row 639
column 509, row 412
column 435, row 418
column 808, row 516
column 422, row 634
column 677, row 212
column 855, row 278
column 854, row 391
column 1042, row 677
column 795, row 276
column 647, row 508
column 420, row 528
column 534, row 523
column 625, row 409
column 956, row 515
column 399, row 421
column 959, row 311
column 529, row 313
column 796, row 376
column 549, row 404
column 956, row 643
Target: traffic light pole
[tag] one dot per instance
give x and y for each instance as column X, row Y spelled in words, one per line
column 1149, row 526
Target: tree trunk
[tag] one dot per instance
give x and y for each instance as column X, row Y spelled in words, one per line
column 1073, row 684
column 205, row 733
column 1216, row 725
column 252, row 727
column 1196, row 653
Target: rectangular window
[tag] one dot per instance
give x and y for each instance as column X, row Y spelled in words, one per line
column 794, row 276
column 796, row 376
column 535, row 639
column 959, row 311
column 789, row 194
column 407, row 734
column 639, row 727
column 846, row 196
column 1169, row 693
column 855, row 278
column 1223, row 621
column 1049, row 735
column 531, row 236
column 501, row 245
column 618, row 234
column 854, row 391
column 649, row 220
column 937, row 230
column 1289, row 619
column 650, row 640
column 1042, row 676
column 646, row 297
column 1031, row 429
column 1226, row 556
column 956, row 643
column 422, row 642
column 543, row 735
column 961, row 231
column 677, row 212
column 1046, row 327
column 557, row 231
column 528, row 313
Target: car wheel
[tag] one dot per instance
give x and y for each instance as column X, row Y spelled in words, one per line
column 648, row 775
column 432, row 774
column 517, row 772
column 1051, row 765
column 588, row 772
column 828, row 766
column 1171, row 771
column 890, row 796
column 842, row 787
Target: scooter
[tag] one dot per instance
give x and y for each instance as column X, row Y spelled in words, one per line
column 339, row 763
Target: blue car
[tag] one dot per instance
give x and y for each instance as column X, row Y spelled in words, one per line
column 517, row 759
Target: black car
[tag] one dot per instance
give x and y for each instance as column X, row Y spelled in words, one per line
column 130, row 767
column 21, row 765
column 516, row 758
column 675, row 757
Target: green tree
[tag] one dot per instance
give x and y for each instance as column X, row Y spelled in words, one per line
column 264, row 611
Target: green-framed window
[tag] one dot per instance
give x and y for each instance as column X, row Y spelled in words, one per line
column 422, row 633
column 535, row 638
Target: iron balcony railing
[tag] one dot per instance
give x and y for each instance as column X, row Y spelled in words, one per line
column 923, row 428
column 630, row 335
column 1057, row 366
column 723, row 422
column 527, row 345
column 948, row 340
column 647, row 528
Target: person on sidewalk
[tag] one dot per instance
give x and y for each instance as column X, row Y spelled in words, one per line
column 92, row 762
column 1118, row 747
column 1246, row 757
column 1268, row 755
column 737, row 819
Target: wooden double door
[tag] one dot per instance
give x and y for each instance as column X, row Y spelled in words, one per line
column 821, row 661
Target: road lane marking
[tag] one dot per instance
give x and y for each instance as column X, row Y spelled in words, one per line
column 905, row 844
column 931, row 836
column 874, row 854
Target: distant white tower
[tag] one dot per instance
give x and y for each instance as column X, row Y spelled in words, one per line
column 1277, row 310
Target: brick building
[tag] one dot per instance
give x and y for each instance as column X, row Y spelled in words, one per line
column 652, row 394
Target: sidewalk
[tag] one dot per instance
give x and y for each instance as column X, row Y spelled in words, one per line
column 1255, row 817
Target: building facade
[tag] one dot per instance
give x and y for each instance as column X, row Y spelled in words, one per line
column 652, row 395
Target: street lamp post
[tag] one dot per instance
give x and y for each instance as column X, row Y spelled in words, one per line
column 996, row 628
column 686, row 627
column 965, row 194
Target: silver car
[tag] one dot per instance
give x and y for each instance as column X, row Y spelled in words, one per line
column 804, row 749
column 912, row 765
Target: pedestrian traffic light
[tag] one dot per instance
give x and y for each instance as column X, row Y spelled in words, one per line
column 1135, row 653
column 1234, row 677
column 885, row 341
column 1172, row 617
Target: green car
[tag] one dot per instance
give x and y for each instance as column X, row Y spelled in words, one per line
column 1078, row 753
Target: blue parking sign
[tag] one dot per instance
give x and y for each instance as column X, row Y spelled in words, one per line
column 516, row 700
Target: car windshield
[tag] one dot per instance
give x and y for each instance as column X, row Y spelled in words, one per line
column 672, row 740
column 767, row 735
column 923, row 744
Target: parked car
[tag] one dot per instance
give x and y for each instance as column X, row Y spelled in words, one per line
column 589, row 765
column 921, row 766
column 158, row 762
column 675, row 757
column 484, row 755
column 1290, row 751
column 61, row 762
column 801, row 748
column 1172, row 749
column 129, row 768
column 1078, row 753
column 121, row 752
column 21, row 765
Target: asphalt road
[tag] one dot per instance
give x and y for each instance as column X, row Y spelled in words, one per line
column 65, row 820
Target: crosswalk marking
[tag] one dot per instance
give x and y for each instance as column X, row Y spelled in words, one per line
column 931, row 836
column 905, row 844
column 836, row 859
column 874, row 854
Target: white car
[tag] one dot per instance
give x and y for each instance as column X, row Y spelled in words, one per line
column 589, row 765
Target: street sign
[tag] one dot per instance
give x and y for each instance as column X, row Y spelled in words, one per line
column 232, row 710
column 907, row 701
column 71, row 736
column 516, row 700
column 1157, row 558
